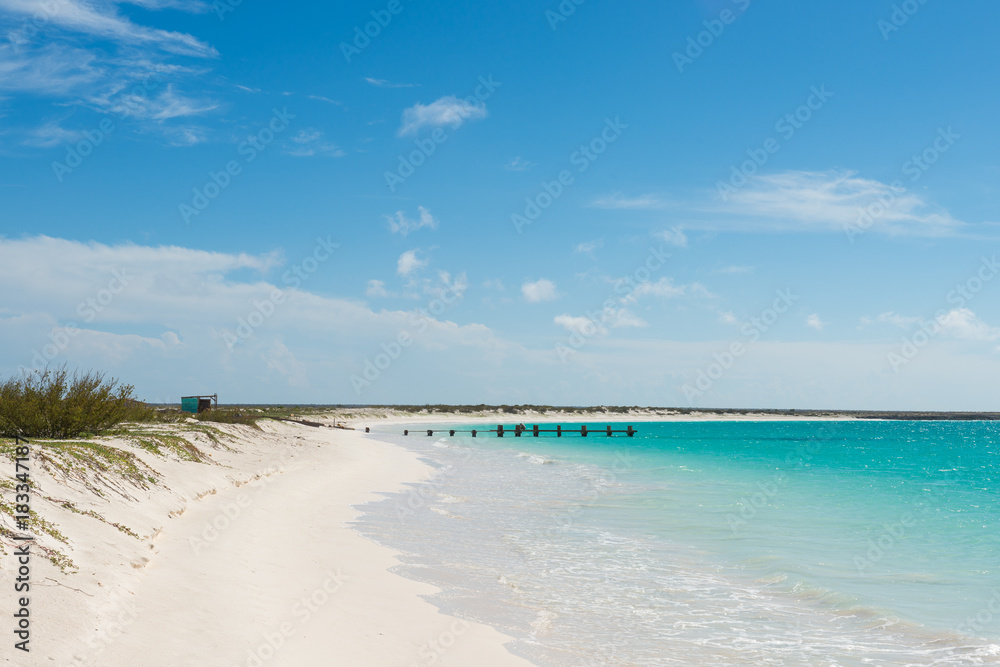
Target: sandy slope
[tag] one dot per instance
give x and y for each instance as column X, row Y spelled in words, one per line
column 261, row 572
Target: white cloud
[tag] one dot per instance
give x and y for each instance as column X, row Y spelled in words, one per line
column 51, row 134
column 400, row 224
column 310, row 141
column 728, row 317
column 382, row 83
column 518, row 164
column 618, row 201
column 320, row 98
column 665, row 287
column 409, row 262
column 582, row 325
column 964, row 324
column 623, row 318
column 166, row 328
column 101, row 20
column 449, row 110
column 588, row 247
column 734, row 269
column 830, row 201
column 89, row 54
column 539, row 291
column 675, row 237
column 617, row 319
column 376, row 289
column 892, row 318
column 815, row 322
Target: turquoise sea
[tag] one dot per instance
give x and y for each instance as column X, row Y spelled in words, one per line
column 721, row 543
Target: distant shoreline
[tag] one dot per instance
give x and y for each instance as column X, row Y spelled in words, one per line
column 505, row 413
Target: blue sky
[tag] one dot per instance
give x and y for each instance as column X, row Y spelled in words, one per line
column 605, row 199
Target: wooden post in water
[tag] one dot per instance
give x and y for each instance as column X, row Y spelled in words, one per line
column 583, row 430
column 609, row 430
column 430, row 432
column 452, row 432
column 406, row 432
column 631, row 432
column 473, row 433
column 536, row 430
column 558, row 431
column 500, row 431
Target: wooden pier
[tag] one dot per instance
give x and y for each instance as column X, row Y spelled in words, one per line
column 536, row 430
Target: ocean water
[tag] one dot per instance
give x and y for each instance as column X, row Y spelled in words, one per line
column 713, row 543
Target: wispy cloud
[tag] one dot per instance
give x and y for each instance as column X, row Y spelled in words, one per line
column 675, row 237
column 618, row 201
column 50, row 134
column 376, row 289
column 382, row 83
column 827, row 201
column 539, row 291
column 588, row 247
column 102, row 20
column 450, row 111
column 400, row 224
column 665, row 287
column 320, row 98
column 310, row 141
column 90, row 54
column 734, row 270
column 518, row 164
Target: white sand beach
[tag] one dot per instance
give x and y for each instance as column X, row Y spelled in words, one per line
column 246, row 562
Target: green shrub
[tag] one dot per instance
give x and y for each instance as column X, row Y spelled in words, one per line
column 54, row 404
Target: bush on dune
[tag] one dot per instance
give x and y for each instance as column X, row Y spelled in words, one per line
column 54, row 404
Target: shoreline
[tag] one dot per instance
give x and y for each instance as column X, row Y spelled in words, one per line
column 252, row 561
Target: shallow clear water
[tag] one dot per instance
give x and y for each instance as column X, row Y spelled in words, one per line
column 789, row 543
